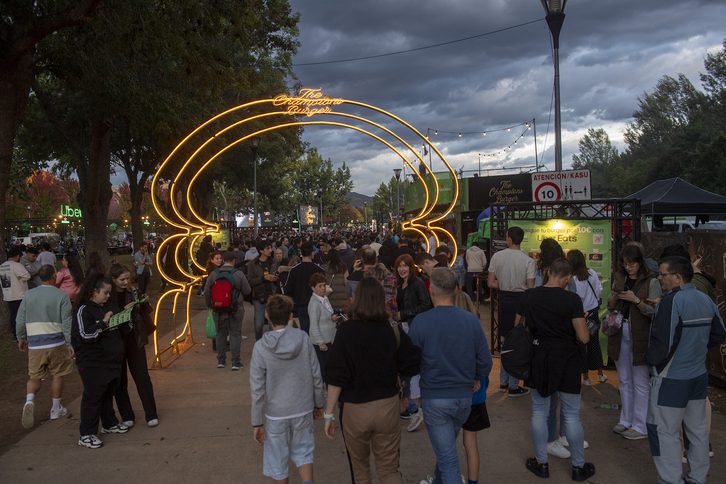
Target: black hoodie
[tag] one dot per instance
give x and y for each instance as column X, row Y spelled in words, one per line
column 95, row 345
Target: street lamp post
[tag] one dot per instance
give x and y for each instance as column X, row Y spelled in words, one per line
column 320, row 222
column 255, row 143
column 555, row 10
column 397, row 171
column 365, row 209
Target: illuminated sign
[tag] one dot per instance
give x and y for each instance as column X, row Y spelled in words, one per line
column 67, row 211
column 234, row 128
column 308, row 102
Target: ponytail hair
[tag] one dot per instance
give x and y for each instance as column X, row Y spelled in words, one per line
column 93, row 282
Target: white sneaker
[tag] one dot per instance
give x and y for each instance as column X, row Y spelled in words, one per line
column 116, row 429
column 602, row 378
column 90, row 441
column 428, row 480
column 129, row 423
column 243, row 336
column 555, row 448
column 416, row 420
column 56, row 414
column 586, row 382
column 563, row 440
column 28, row 414
column 153, row 422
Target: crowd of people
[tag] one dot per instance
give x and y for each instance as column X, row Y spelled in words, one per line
column 92, row 321
column 379, row 328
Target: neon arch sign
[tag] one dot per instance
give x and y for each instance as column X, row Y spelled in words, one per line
column 221, row 133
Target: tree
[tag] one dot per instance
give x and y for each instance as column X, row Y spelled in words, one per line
column 311, row 174
column 140, row 76
column 24, row 25
column 382, row 203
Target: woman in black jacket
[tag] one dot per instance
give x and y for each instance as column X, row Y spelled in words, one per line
column 362, row 374
column 135, row 338
column 412, row 298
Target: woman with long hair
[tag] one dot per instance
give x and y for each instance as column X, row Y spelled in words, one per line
column 362, row 373
column 70, row 278
column 632, row 283
column 336, row 274
column 94, row 263
column 589, row 289
column 412, row 298
column 123, row 296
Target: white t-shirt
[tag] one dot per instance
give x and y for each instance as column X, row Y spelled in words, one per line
column 46, row 258
column 512, row 268
column 589, row 301
column 14, row 280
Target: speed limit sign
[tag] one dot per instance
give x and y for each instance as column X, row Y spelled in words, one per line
column 547, row 192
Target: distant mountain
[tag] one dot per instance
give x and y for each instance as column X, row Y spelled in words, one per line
column 357, row 199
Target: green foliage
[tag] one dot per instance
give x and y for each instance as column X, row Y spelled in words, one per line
column 677, row 131
column 310, row 174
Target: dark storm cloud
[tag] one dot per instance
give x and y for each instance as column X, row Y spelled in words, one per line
column 611, row 52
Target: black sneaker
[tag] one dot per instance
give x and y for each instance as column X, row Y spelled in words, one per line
column 541, row 470
column 503, row 388
column 518, row 392
column 405, row 414
column 583, row 473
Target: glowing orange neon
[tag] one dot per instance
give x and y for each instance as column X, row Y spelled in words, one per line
column 308, row 102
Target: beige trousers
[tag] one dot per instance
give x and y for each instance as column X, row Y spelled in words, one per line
column 373, row 426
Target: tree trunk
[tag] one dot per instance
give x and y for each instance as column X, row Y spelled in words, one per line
column 137, row 226
column 94, row 175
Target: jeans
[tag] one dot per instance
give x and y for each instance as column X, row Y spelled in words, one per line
column 443, row 419
column 571, row 423
column 229, row 324
column 552, row 419
column 505, row 379
column 633, row 386
column 143, row 280
column 260, row 319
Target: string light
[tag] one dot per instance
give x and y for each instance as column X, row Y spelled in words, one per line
column 484, row 132
column 459, row 135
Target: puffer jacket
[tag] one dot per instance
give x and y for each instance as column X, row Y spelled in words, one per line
column 639, row 322
column 338, row 299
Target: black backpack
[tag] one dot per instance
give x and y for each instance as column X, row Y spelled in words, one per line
column 517, row 352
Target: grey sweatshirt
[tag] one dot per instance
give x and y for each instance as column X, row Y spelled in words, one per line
column 285, row 376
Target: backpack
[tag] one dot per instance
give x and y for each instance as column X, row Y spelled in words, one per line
column 224, row 293
column 517, row 349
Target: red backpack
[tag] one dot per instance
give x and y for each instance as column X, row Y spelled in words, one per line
column 224, row 294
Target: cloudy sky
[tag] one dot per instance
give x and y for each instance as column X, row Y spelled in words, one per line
column 611, row 51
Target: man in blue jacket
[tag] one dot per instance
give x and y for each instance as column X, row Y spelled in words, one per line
column 454, row 357
column 685, row 326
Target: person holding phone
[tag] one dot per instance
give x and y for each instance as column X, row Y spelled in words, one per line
column 631, row 284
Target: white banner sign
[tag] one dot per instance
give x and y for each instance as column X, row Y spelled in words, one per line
column 552, row 186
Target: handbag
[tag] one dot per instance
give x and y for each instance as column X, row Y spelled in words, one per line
column 147, row 314
column 517, row 352
column 612, row 323
column 593, row 318
column 211, row 327
column 329, row 287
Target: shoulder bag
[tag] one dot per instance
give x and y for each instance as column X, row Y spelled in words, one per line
column 593, row 318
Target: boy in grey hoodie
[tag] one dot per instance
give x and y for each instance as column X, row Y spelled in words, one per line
column 284, row 373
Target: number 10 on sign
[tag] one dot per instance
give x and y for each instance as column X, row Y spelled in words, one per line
column 547, row 192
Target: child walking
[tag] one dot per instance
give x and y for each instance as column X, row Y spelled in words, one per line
column 285, row 378
column 99, row 354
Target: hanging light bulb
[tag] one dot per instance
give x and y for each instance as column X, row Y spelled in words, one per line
column 436, row 132
column 484, row 133
column 509, row 129
column 459, row 135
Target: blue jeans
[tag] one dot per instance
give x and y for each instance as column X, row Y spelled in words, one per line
column 443, row 419
column 552, row 419
column 260, row 319
column 505, row 379
column 571, row 423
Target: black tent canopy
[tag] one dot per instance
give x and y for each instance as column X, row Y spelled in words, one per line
column 675, row 197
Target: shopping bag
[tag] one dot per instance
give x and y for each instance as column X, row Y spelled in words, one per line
column 211, row 328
